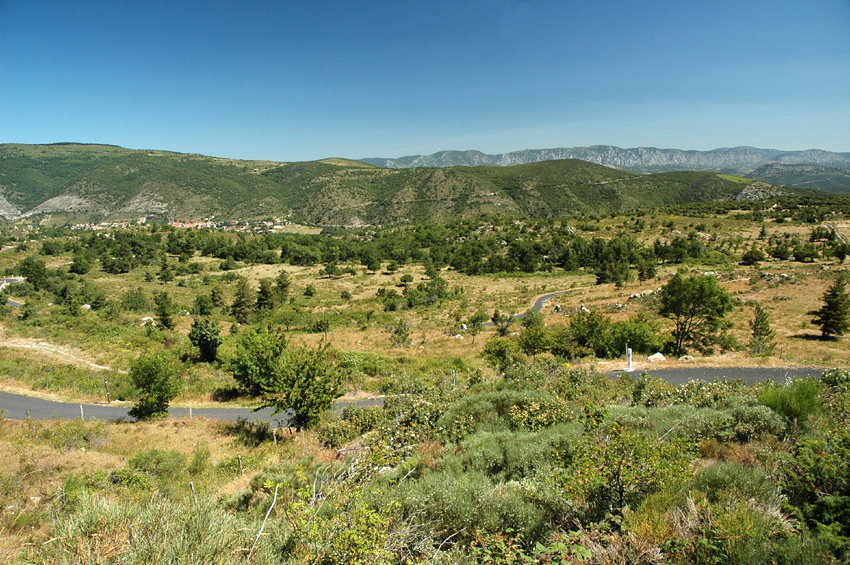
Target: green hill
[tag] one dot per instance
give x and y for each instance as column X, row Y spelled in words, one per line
column 84, row 182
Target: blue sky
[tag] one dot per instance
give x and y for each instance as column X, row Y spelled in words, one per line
column 306, row 80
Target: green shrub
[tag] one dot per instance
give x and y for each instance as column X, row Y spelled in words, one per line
column 162, row 464
column 730, row 482
column 836, row 379
column 130, row 478
column 364, row 418
column 335, row 433
column 756, row 422
column 581, row 385
column 505, row 456
column 251, row 433
column 794, row 400
column 501, row 409
column 652, row 391
column 703, row 394
column 76, row 434
column 471, row 504
column 817, row 483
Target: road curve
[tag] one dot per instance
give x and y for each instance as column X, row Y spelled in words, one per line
column 4, row 281
column 19, row 407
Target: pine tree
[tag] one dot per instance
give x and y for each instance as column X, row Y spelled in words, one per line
column 165, row 310
column 762, row 342
column 243, row 301
column 834, row 316
column 266, row 295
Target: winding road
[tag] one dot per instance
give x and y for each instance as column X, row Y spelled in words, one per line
column 19, row 407
column 4, row 281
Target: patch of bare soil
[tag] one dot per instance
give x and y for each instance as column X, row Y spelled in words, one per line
column 70, row 355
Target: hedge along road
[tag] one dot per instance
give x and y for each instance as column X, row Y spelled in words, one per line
column 19, row 407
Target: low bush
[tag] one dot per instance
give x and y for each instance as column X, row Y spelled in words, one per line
column 794, row 400
column 730, row 483
column 756, row 422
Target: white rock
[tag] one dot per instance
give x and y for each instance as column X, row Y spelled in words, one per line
column 656, row 357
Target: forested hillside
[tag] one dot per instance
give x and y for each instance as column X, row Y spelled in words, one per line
column 96, row 183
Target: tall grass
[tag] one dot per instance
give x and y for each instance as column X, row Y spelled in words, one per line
column 154, row 530
column 795, row 400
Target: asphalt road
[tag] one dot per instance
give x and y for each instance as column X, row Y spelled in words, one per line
column 6, row 281
column 747, row 375
column 18, row 407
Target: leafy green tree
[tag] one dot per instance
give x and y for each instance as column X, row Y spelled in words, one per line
column 205, row 334
column 533, row 340
column 289, row 318
column 80, row 265
column 591, row 332
column 164, row 308
column 243, row 301
column 255, row 363
column 753, row 256
column 833, row 317
column 34, row 270
column 302, row 379
column 697, row 305
column 502, row 322
column 532, row 320
column 500, row 352
column 134, row 300
column 155, row 376
column 476, row 323
column 763, row 339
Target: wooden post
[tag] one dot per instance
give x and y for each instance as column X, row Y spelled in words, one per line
column 106, row 384
column 241, row 471
column 274, row 435
column 194, row 495
column 190, row 411
column 82, row 415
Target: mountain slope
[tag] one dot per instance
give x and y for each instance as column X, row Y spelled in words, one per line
column 93, row 182
column 736, row 160
column 829, row 179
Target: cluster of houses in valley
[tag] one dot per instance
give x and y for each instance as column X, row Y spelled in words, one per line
column 261, row 226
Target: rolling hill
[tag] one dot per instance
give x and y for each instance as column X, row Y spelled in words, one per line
column 812, row 168
column 99, row 182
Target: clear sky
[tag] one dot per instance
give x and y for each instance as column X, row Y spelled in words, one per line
column 305, row 80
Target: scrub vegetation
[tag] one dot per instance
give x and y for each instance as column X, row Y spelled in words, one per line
column 489, row 438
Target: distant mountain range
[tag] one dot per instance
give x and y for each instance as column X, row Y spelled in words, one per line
column 812, row 168
column 75, row 183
